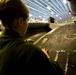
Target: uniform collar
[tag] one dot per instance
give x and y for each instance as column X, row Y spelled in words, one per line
column 10, row 33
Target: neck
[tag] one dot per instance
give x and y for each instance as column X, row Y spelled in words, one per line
column 19, row 32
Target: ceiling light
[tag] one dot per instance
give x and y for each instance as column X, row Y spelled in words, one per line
column 30, row 15
column 64, row 1
column 52, row 12
column 72, row 17
column 60, row 17
column 48, row 7
column 56, row 15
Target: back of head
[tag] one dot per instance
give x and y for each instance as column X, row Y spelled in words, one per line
column 11, row 10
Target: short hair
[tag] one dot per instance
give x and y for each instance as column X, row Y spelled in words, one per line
column 11, row 10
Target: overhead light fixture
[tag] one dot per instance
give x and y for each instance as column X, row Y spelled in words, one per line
column 52, row 12
column 48, row 7
column 64, row 1
column 72, row 17
column 69, row 11
column 30, row 15
column 60, row 17
column 56, row 15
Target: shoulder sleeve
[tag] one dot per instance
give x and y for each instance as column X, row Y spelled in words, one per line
column 41, row 64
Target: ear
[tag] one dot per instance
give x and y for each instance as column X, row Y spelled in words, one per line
column 20, row 21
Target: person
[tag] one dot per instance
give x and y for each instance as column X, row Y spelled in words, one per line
column 19, row 57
